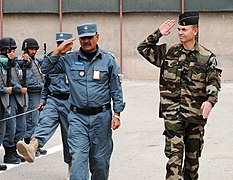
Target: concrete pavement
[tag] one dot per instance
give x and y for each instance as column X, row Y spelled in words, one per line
column 139, row 143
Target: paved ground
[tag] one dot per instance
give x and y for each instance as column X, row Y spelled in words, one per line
column 138, row 152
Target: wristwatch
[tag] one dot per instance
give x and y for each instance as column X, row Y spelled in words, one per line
column 116, row 116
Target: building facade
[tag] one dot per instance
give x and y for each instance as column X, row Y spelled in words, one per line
column 120, row 34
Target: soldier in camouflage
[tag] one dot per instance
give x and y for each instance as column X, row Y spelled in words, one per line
column 189, row 86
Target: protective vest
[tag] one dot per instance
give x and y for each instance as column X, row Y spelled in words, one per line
column 36, row 72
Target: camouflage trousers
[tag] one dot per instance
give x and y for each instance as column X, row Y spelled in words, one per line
column 183, row 139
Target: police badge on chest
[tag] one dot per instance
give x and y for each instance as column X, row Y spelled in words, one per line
column 81, row 73
column 96, row 75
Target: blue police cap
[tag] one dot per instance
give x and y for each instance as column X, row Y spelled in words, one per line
column 188, row 18
column 62, row 36
column 87, row 29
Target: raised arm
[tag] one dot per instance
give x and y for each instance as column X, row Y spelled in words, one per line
column 149, row 49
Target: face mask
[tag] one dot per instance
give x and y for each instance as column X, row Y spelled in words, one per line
column 4, row 61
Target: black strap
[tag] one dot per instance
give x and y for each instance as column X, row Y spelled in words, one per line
column 90, row 110
column 60, row 96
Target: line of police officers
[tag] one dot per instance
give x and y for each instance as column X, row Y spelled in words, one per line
column 94, row 92
column 55, row 106
column 21, row 83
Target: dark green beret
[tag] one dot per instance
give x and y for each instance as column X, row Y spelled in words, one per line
column 188, row 18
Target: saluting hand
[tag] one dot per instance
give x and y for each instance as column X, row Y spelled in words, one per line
column 64, row 47
column 166, row 27
column 206, row 108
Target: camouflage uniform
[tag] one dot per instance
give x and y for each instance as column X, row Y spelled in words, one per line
column 187, row 79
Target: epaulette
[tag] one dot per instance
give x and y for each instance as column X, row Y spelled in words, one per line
column 111, row 54
column 203, row 50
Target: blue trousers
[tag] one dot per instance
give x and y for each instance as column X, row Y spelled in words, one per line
column 15, row 127
column 54, row 113
column 33, row 117
column 90, row 141
column 2, row 123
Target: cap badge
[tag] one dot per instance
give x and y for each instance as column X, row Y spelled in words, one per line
column 85, row 27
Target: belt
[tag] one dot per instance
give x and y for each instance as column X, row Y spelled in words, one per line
column 90, row 110
column 60, row 96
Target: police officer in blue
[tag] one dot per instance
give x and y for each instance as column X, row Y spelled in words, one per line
column 15, row 126
column 93, row 77
column 35, row 83
column 55, row 109
column 5, row 91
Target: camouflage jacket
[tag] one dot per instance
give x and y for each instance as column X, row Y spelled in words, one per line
column 187, row 78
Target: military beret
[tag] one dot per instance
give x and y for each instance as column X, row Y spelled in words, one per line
column 87, row 29
column 188, row 18
column 62, row 36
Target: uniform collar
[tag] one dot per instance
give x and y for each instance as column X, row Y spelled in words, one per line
column 99, row 54
column 195, row 49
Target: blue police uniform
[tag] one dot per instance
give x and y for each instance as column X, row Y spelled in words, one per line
column 55, row 97
column 35, row 83
column 89, row 134
column 15, row 127
column 3, row 91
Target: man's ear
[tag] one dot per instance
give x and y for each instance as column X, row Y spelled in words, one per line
column 98, row 36
column 195, row 31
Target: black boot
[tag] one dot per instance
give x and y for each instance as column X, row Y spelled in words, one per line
column 9, row 156
column 27, row 140
column 17, row 155
column 40, row 152
column 3, row 167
